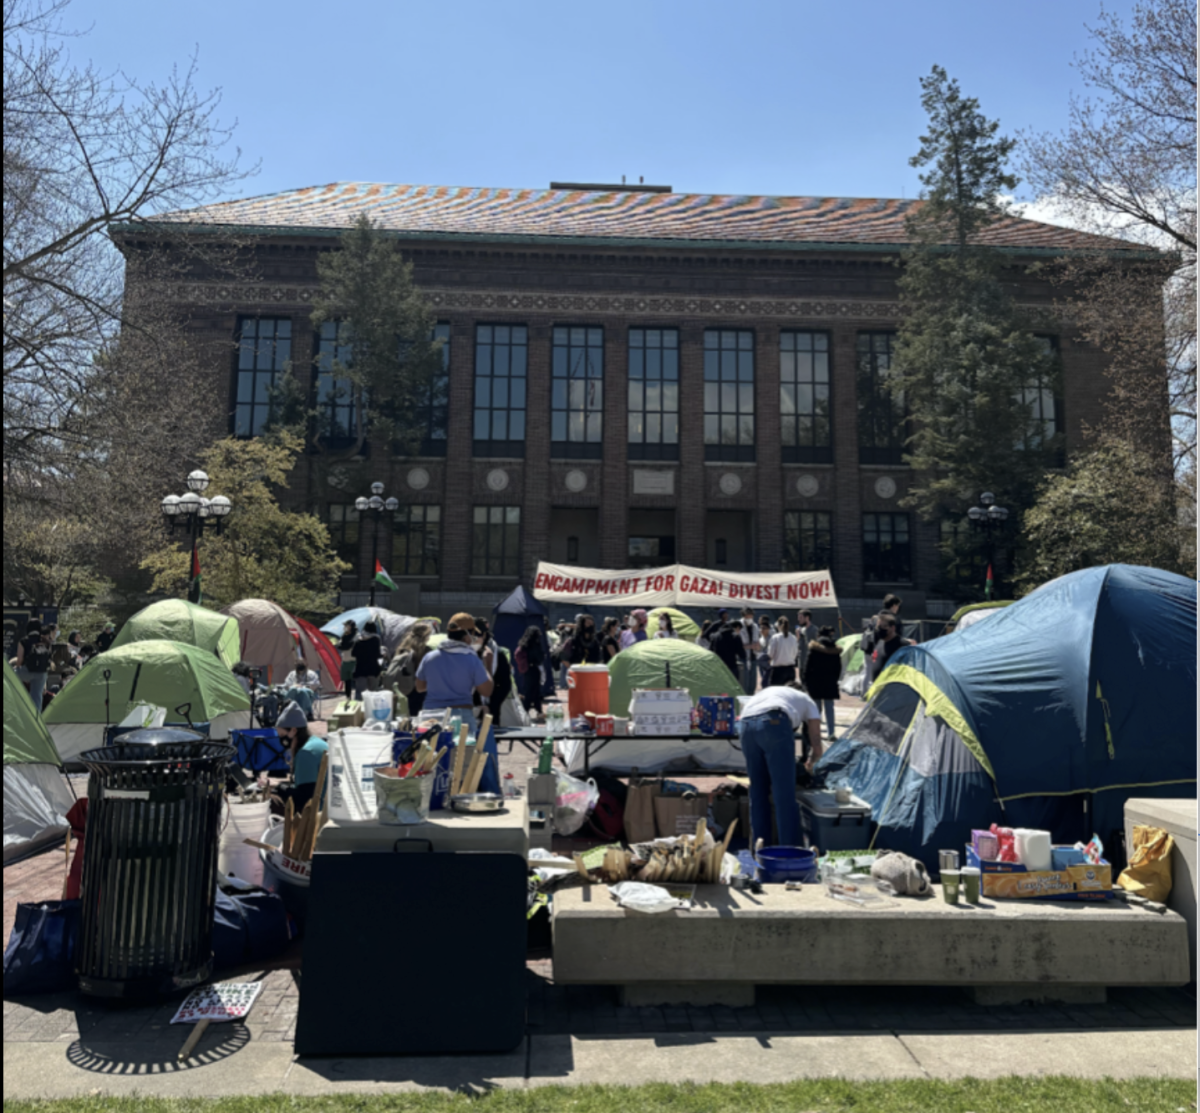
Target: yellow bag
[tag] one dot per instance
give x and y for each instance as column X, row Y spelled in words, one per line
column 1149, row 871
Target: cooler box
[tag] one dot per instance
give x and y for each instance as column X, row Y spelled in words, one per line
column 828, row 825
column 587, row 690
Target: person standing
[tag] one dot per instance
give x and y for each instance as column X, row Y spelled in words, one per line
column 726, row 643
column 637, row 629
column 764, row 655
column 585, row 646
column 769, row 723
column 891, row 605
column 748, row 632
column 451, row 674
column 105, row 638
column 346, row 649
column 401, row 672
column 367, row 652
column 666, row 628
column 822, row 672
column 806, row 634
column 782, row 649
column 33, row 660
column 610, row 640
column 887, row 642
column 530, row 657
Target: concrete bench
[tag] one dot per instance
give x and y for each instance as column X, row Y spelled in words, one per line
column 1004, row 951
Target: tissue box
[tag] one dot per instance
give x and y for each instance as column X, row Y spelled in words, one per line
column 1010, row 880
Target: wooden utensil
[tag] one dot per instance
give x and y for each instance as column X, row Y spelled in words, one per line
column 289, row 823
column 460, row 753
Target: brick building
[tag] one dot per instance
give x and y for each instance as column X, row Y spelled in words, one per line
column 633, row 377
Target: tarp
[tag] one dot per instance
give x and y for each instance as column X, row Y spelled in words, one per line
column 679, row 585
column 392, row 626
column 644, row 665
column 36, row 795
column 270, row 636
column 167, row 674
column 511, row 617
column 1049, row 715
column 853, row 681
column 680, row 623
column 175, row 620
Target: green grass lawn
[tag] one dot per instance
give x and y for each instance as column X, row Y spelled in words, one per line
column 1010, row 1095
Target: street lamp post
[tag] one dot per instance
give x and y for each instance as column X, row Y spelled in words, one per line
column 375, row 505
column 194, row 512
column 989, row 519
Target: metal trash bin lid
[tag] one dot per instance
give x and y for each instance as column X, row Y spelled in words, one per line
column 159, row 736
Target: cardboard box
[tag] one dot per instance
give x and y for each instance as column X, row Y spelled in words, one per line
column 542, row 788
column 1012, row 881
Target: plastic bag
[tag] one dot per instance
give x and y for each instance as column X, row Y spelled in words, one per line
column 573, row 802
column 637, row 896
column 1148, row 874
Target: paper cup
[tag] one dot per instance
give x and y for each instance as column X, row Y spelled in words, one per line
column 950, row 886
column 971, row 878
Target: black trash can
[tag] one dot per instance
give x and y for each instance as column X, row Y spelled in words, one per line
column 150, row 863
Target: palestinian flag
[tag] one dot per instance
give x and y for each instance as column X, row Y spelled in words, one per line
column 194, row 592
column 989, row 583
column 381, row 577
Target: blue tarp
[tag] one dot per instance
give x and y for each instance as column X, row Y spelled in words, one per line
column 1082, row 695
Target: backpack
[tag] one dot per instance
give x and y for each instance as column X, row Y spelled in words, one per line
column 521, row 657
column 38, row 657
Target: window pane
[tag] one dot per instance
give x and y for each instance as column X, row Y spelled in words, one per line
column 499, row 425
column 635, row 364
column 516, row 425
column 671, row 429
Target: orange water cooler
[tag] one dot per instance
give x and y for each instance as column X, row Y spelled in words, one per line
column 587, row 690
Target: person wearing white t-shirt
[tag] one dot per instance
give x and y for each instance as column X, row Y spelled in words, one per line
column 769, row 723
column 782, row 650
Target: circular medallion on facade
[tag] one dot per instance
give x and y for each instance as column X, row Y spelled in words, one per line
column 575, row 480
column 730, row 483
column 418, row 479
column 885, row 486
column 338, row 479
column 808, row 485
column 497, row 479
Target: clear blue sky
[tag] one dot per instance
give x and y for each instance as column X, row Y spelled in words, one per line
column 756, row 96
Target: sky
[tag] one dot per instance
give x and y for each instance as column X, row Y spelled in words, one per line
column 746, row 97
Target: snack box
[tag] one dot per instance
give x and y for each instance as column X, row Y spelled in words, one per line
column 1012, row 881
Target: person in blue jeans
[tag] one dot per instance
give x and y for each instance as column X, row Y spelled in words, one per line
column 770, row 722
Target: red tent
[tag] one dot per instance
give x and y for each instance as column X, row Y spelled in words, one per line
column 330, row 657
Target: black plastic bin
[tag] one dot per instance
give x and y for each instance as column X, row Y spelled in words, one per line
column 150, row 863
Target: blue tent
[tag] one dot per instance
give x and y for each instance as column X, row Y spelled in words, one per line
column 1050, row 715
column 511, row 618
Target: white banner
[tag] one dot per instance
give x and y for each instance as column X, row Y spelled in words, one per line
column 680, row 585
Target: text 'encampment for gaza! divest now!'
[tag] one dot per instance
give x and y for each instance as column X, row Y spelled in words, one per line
column 680, row 585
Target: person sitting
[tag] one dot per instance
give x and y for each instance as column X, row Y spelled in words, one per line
column 451, row 674
column 303, row 677
column 304, row 755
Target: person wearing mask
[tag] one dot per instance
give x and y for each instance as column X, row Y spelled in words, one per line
column 302, row 676
column 304, row 755
column 566, row 633
column 887, row 641
column 637, row 629
column 782, row 649
column 726, row 643
column 33, row 660
column 451, row 674
column 822, row 671
column 666, row 628
column 346, row 649
column 748, row 633
column 496, row 662
column 367, row 652
column 806, row 634
column 585, row 646
column 74, row 645
column 610, row 640
column 105, row 638
column 530, row 659
column 764, row 655
column 401, row 672
column 769, row 724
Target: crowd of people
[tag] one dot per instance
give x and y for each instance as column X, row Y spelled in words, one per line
column 40, row 656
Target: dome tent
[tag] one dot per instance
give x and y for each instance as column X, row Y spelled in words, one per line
column 175, row 620
column 1049, row 715
column 645, row 665
column 270, row 636
column 167, row 674
column 36, row 794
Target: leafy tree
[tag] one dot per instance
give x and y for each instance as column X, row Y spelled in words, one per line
column 1109, row 507
column 385, row 367
column 965, row 352
column 49, row 558
column 263, row 551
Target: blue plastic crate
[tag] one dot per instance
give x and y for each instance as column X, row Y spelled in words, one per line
column 260, row 750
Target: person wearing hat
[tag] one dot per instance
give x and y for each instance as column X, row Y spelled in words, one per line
column 304, row 755
column 106, row 637
column 451, row 674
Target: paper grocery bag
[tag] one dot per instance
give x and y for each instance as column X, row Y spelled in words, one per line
column 639, row 810
column 669, row 809
column 1149, row 871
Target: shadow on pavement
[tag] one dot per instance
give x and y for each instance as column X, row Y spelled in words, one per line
column 156, row 1054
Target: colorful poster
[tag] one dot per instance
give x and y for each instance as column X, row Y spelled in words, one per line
column 227, row 1001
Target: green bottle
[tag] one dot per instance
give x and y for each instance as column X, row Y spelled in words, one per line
column 546, row 756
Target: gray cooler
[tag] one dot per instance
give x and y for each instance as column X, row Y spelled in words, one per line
column 828, row 825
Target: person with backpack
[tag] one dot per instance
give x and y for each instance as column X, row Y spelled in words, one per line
column 822, row 671
column 401, row 672
column 33, row 660
column 529, row 658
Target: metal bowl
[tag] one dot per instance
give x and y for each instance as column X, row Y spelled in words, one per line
column 477, row 802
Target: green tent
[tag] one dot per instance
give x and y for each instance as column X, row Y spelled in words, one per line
column 36, row 795
column 174, row 620
column 683, row 625
column 644, row 665
column 164, row 673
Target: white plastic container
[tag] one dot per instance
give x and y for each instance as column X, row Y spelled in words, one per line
column 354, row 755
column 378, row 705
column 241, row 822
column 1033, row 848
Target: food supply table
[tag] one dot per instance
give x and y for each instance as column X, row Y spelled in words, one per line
column 648, row 753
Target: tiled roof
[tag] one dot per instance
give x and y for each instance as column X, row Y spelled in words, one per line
column 609, row 215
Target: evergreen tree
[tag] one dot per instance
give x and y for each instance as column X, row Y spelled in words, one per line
column 967, row 359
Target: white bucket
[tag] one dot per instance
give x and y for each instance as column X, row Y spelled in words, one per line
column 241, row 822
column 354, row 755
